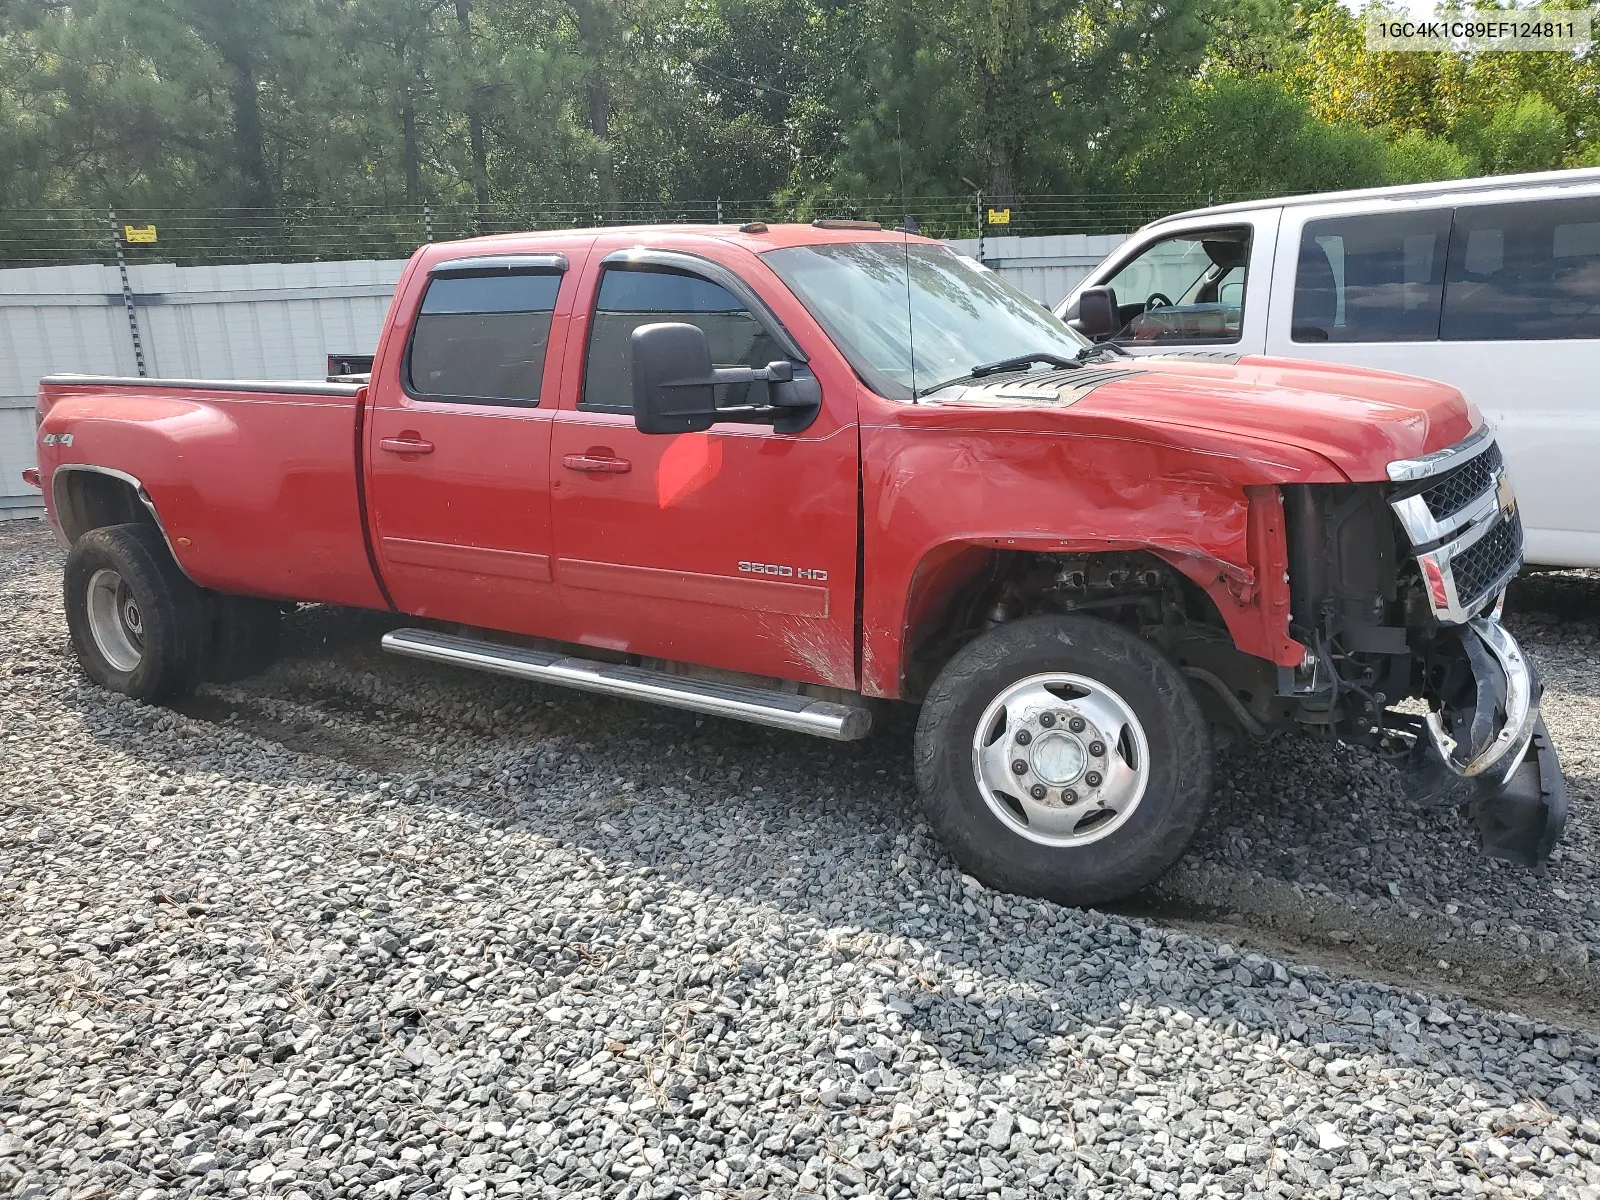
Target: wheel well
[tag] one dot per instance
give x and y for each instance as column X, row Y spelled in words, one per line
column 88, row 500
column 964, row 590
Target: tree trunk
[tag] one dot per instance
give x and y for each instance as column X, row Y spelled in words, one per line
column 593, row 33
column 1002, row 191
column 249, row 151
column 600, row 124
column 480, row 157
column 999, row 148
column 410, row 156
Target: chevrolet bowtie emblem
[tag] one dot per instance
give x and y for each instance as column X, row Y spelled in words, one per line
column 1504, row 496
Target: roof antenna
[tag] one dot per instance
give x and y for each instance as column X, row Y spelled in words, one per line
column 905, row 241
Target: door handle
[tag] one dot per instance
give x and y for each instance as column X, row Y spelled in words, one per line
column 597, row 464
column 406, row 445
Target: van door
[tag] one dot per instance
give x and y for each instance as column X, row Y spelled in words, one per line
column 1501, row 300
column 1199, row 284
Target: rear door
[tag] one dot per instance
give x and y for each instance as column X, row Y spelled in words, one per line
column 731, row 548
column 458, row 444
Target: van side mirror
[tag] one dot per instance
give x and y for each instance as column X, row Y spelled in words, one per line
column 674, row 385
column 672, row 380
column 1097, row 313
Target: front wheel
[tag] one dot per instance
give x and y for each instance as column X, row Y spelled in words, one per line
column 1063, row 757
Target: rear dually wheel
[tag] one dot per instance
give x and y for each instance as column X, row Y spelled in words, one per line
column 136, row 620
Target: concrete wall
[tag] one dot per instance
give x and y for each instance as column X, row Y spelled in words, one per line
column 281, row 321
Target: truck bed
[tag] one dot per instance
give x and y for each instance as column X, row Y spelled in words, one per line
column 256, row 483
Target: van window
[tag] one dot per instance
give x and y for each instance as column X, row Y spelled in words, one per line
column 1184, row 289
column 1525, row 272
column 1374, row 277
column 482, row 338
column 630, row 298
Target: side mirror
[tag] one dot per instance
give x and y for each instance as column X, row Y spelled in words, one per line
column 673, row 390
column 1097, row 313
column 674, row 385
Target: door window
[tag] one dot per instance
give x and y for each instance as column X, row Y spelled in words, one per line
column 1528, row 271
column 482, row 339
column 631, row 297
column 1188, row 288
column 1374, row 277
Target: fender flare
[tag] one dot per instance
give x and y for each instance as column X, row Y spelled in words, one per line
column 60, row 475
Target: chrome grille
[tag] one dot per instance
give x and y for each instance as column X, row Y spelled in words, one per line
column 1456, row 489
column 1483, row 564
column 1456, row 509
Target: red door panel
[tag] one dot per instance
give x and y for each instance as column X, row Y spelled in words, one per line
column 463, row 533
column 732, row 548
column 459, row 492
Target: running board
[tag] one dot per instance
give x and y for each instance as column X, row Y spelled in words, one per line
column 779, row 710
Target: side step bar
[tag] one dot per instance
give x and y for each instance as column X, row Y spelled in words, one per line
column 780, row 710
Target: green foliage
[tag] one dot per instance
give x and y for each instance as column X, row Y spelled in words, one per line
column 1229, row 137
column 500, row 113
column 1528, row 134
column 1450, row 114
column 1414, row 157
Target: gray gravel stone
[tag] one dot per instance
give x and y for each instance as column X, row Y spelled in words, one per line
column 364, row 928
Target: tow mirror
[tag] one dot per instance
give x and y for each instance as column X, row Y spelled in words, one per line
column 1097, row 313
column 673, row 388
column 674, row 384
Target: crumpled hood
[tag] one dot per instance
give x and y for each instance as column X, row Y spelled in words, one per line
column 1360, row 420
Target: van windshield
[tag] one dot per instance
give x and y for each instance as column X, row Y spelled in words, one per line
column 917, row 316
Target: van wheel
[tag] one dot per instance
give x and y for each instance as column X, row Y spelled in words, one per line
column 1062, row 757
column 244, row 637
column 137, row 622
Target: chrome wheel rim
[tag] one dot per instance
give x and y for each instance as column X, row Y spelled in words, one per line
column 1061, row 759
column 115, row 621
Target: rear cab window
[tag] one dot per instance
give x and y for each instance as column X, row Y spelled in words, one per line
column 1188, row 289
column 481, row 334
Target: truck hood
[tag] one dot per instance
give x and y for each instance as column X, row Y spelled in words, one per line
column 1357, row 419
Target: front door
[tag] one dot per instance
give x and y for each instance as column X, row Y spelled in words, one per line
column 1194, row 286
column 458, row 446
column 731, row 548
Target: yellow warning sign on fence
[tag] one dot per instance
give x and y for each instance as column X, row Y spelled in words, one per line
column 999, row 216
column 139, row 233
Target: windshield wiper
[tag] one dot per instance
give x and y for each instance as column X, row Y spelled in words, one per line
column 1017, row 362
column 1104, row 350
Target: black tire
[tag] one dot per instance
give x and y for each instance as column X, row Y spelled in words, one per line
column 168, row 607
column 244, row 637
column 1160, row 825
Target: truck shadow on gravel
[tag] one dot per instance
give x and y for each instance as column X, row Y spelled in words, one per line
column 1311, row 852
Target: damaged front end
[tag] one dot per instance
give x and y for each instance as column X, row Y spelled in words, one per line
column 1487, row 750
column 1396, row 593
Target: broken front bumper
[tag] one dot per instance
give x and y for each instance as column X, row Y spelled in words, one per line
column 1491, row 753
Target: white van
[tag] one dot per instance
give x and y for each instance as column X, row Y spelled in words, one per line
column 1492, row 285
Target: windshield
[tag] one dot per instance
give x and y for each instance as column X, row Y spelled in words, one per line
column 961, row 314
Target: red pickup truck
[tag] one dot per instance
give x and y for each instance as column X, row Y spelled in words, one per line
column 787, row 474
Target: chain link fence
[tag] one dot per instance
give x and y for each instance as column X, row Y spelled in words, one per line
column 318, row 232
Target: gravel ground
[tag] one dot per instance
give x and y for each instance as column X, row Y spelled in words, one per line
column 363, row 927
